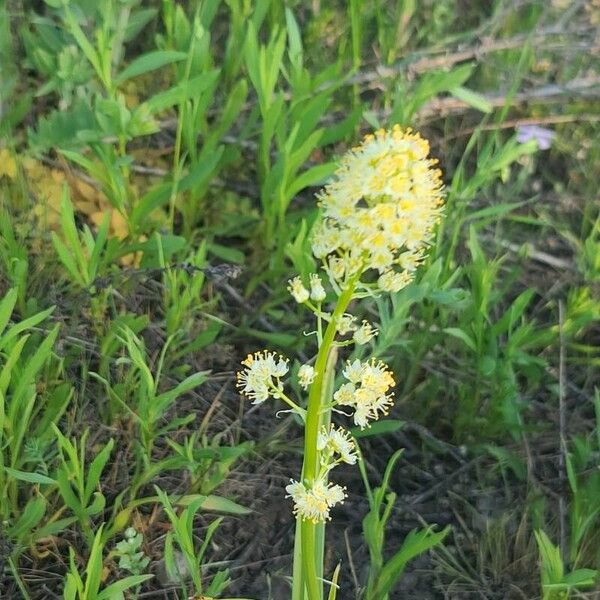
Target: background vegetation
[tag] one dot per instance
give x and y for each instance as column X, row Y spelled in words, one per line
column 158, row 164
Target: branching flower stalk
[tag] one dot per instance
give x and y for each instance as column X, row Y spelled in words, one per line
column 378, row 216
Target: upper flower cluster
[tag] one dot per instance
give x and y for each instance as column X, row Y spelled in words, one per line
column 380, row 210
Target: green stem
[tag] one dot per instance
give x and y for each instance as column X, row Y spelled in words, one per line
column 310, row 469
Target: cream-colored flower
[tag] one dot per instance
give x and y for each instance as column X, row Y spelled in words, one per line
column 380, row 209
column 365, row 333
column 393, row 281
column 345, row 395
column 306, row 375
column 297, row 290
column 367, row 391
column 317, row 291
column 313, row 504
column 345, row 324
column 262, row 376
column 353, row 371
column 337, row 441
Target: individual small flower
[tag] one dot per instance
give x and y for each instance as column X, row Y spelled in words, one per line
column 345, row 395
column 541, row 135
column 313, row 504
column 317, row 291
column 392, row 281
column 353, row 371
column 297, row 290
column 365, row 333
column 345, row 324
column 337, row 268
column 337, row 441
column 262, row 376
column 306, row 375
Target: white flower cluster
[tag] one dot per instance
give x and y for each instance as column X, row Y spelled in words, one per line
column 380, row 210
column 313, row 504
column 262, row 376
column 366, row 390
column 333, row 443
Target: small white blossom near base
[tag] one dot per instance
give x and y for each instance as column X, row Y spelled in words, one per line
column 306, row 375
column 262, row 376
column 345, row 324
column 317, row 291
column 313, row 504
column 364, row 334
column 297, row 290
column 337, row 441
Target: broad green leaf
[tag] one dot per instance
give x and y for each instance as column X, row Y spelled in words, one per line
column 216, row 504
column 29, row 477
column 118, row 587
column 415, row 544
column 149, row 62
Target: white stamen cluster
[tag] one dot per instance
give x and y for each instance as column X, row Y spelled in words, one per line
column 336, row 442
column 313, row 503
column 262, row 376
column 366, row 390
column 306, row 375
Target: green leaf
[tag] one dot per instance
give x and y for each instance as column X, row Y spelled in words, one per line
column 216, row 504
column 415, row 544
column 461, row 335
column 581, row 578
column 7, row 306
column 473, row 99
column 32, row 514
column 114, row 589
column 95, row 470
column 334, row 586
column 149, row 62
column 29, row 477
column 182, row 92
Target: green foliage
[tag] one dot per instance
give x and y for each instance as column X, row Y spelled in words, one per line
column 182, row 538
column 88, row 586
column 385, row 574
column 556, row 584
column 186, row 134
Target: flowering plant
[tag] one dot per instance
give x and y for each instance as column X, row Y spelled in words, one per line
column 378, row 218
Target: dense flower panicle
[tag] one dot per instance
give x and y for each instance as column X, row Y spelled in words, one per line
column 313, row 504
column 297, row 290
column 262, row 376
column 337, row 441
column 306, row 375
column 380, row 210
column 366, row 391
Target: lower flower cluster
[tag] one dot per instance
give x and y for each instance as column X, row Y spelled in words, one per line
column 313, row 503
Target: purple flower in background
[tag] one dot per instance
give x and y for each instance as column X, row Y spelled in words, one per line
column 541, row 135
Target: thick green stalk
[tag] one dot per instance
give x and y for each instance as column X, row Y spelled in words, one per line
column 310, row 552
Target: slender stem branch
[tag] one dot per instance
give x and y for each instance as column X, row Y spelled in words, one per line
column 291, row 403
